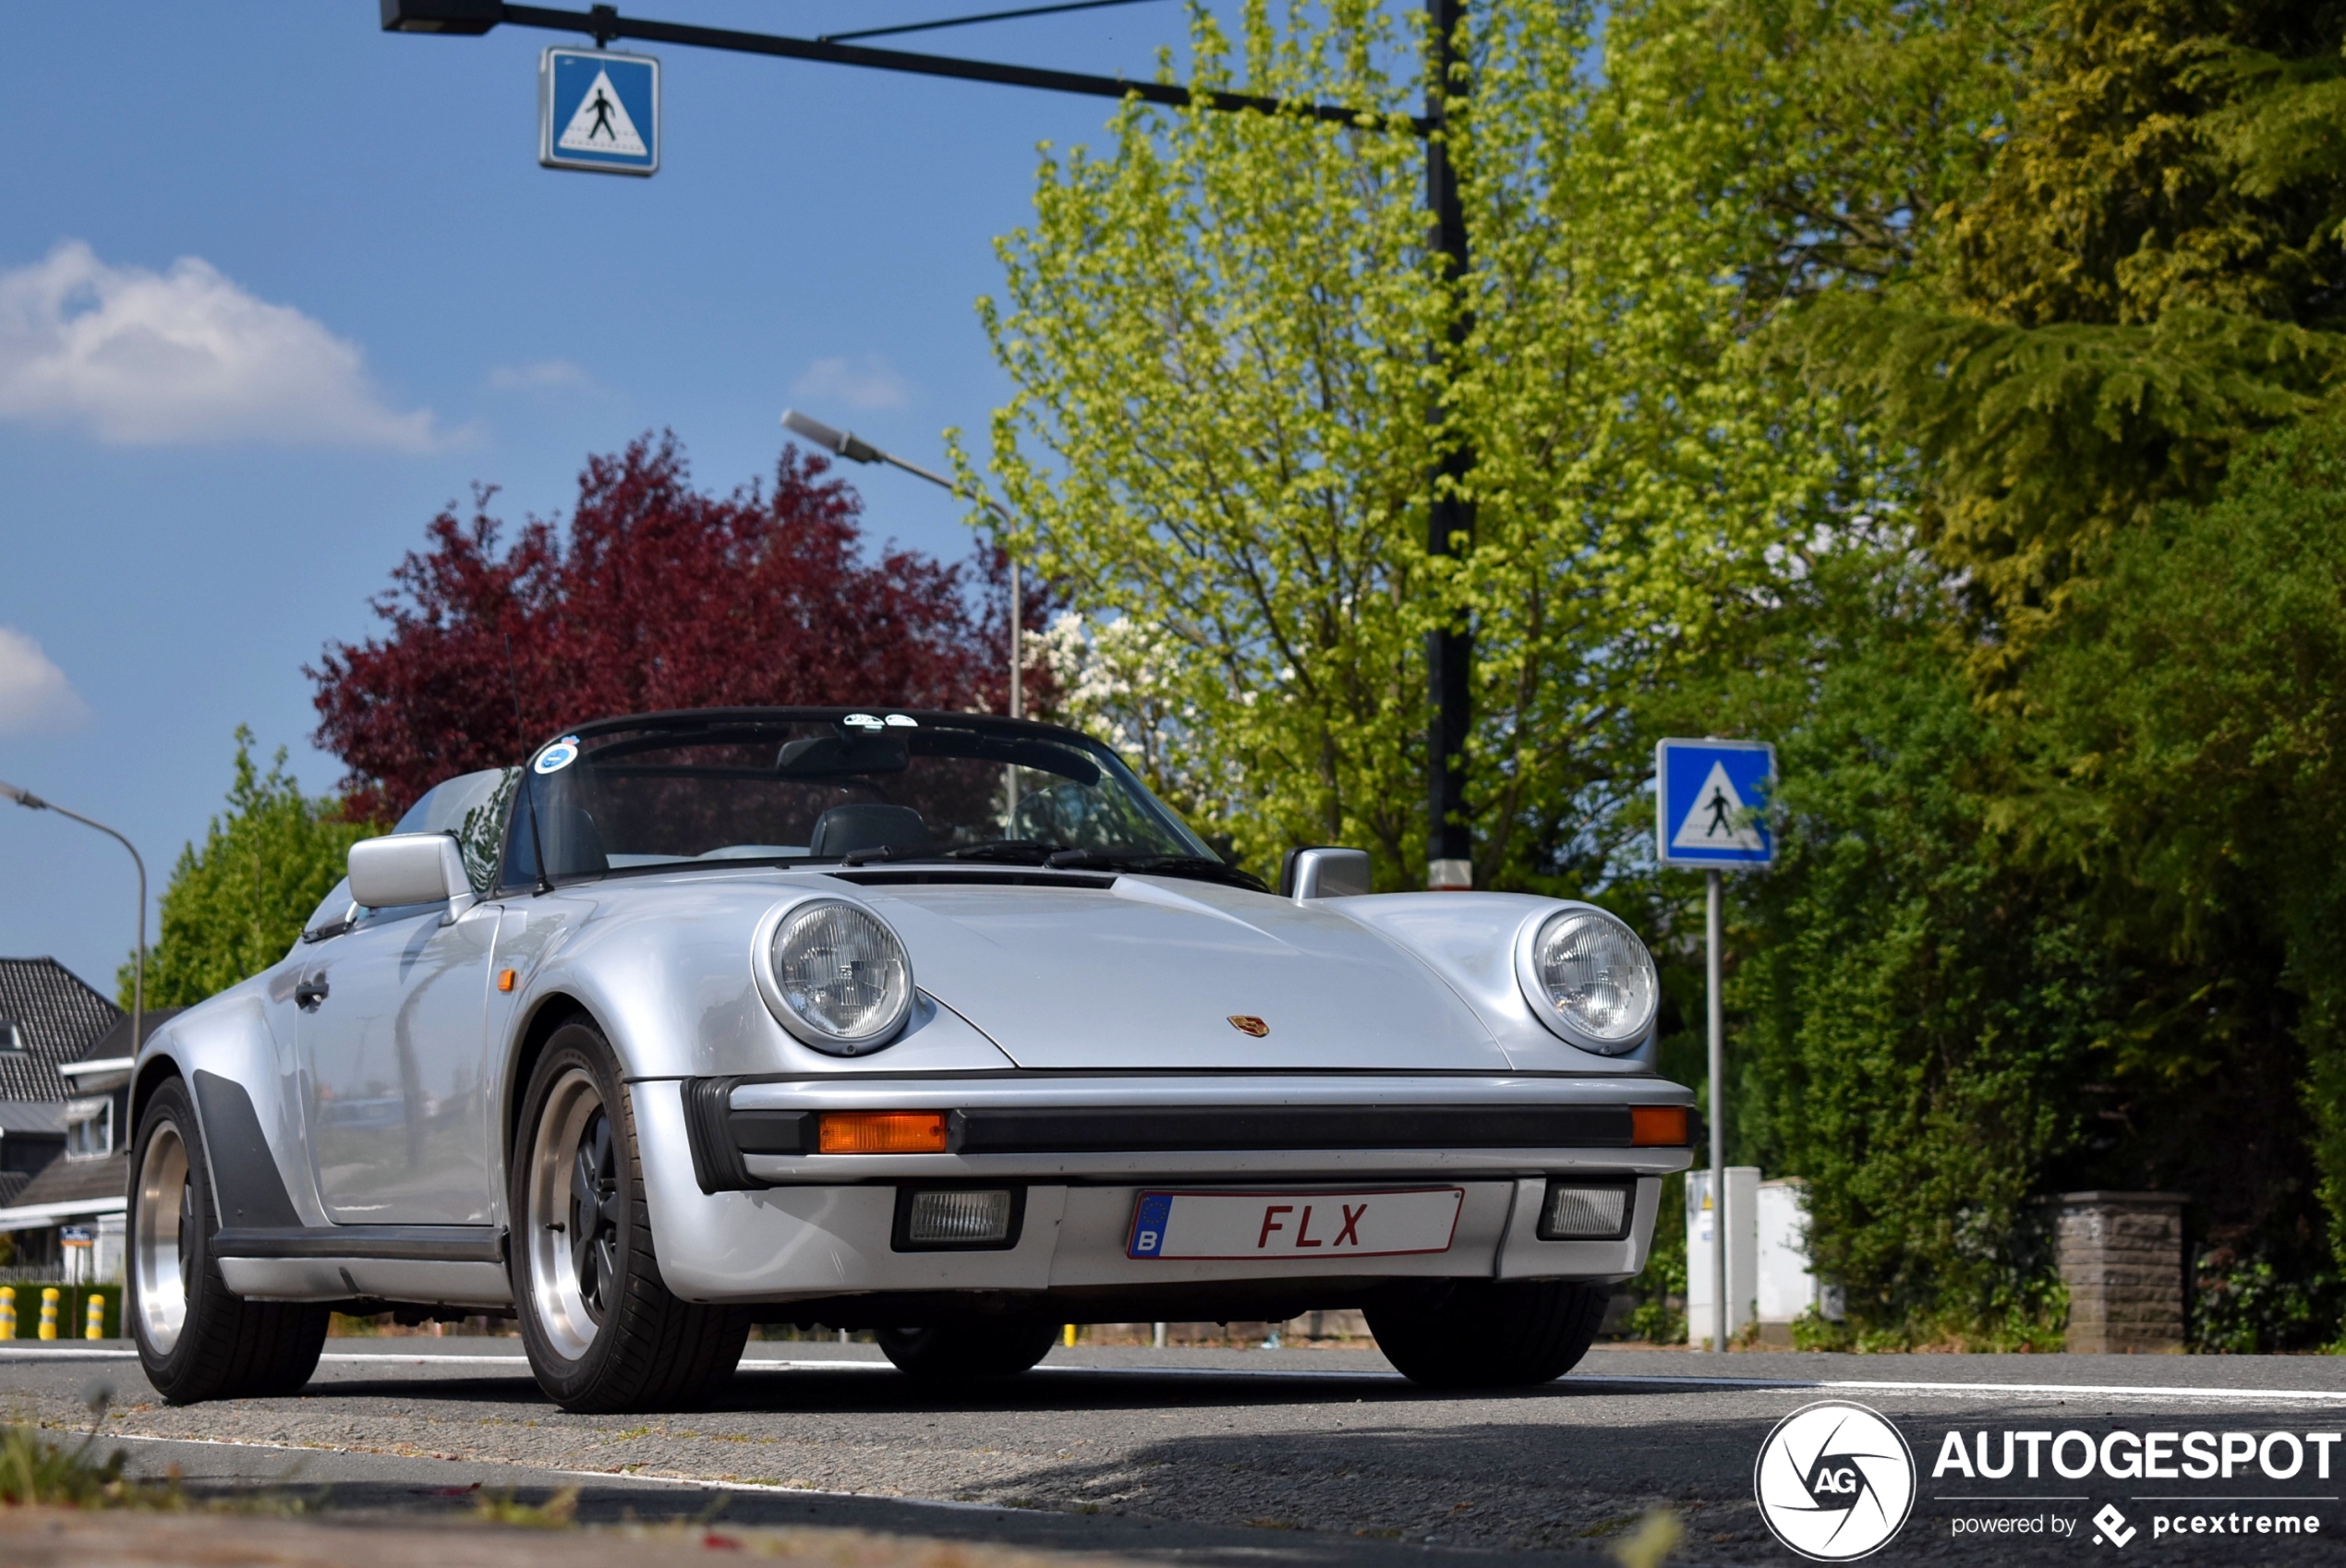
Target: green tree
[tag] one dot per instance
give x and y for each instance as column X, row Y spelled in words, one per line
column 2149, row 274
column 236, row 904
column 2191, row 726
column 1227, row 408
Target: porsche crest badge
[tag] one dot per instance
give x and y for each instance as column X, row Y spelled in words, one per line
column 1247, row 1024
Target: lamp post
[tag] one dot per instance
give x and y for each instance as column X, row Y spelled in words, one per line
column 32, row 801
column 845, row 444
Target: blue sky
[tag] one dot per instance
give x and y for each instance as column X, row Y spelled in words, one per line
column 380, row 299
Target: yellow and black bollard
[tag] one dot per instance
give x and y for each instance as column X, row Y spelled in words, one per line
column 49, row 1311
column 93, row 1321
column 7, row 1311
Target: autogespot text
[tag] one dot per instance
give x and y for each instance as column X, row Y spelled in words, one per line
column 2136, row 1456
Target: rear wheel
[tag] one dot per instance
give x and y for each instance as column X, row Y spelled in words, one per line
column 1489, row 1334
column 977, row 1348
column 196, row 1339
column 602, row 1332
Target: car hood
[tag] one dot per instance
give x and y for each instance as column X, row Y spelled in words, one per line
column 1149, row 974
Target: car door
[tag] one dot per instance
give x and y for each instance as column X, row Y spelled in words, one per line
column 391, row 1025
column 390, row 1041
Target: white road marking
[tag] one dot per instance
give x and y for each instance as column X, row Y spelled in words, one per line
column 1886, row 1385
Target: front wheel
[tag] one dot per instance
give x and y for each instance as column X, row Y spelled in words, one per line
column 602, row 1332
column 196, row 1339
column 1485, row 1333
column 974, row 1348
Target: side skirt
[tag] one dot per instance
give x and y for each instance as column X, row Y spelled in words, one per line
column 431, row 1265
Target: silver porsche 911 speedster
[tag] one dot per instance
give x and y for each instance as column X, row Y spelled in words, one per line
column 929, row 1023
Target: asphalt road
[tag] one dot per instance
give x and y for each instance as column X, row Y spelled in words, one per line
column 1242, row 1457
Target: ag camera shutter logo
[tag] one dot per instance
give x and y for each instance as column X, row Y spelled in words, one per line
column 1834, row 1481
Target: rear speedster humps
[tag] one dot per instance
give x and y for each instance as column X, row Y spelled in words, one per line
column 936, row 1024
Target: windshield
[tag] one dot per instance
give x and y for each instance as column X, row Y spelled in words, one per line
column 855, row 788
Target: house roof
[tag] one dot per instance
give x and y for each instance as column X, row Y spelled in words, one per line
column 115, row 1041
column 56, row 1017
column 44, row 1119
column 66, row 1180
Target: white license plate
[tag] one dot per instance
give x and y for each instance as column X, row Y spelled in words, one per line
column 1228, row 1225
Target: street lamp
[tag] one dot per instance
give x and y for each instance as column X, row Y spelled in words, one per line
column 32, row 801
column 845, row 444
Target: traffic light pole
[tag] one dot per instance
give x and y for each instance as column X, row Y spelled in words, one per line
column 1450, row 517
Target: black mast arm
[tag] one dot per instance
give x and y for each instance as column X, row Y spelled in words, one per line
column 603, row 23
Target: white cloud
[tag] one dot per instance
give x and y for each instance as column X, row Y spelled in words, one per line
column 143, row 358
column 867, row 383
column 34, row 694
column 543, row 375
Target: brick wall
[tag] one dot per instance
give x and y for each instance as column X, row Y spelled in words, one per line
column 2122, row 1255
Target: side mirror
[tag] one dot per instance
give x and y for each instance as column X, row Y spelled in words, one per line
column 1324, row 874
column 410, row 868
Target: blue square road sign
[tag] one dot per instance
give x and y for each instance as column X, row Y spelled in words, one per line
column 598, row 110
column 1711, row 803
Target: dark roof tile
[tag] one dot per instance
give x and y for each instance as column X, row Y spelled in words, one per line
column 115, row 1040
column 56, row 1017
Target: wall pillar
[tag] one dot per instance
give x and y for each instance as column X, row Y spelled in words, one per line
column 2122, row 1255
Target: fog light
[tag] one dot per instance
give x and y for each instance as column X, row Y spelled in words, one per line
column 1584, row 1213
column 958, row 1217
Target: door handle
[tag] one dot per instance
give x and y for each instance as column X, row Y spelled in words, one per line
column 310, row 991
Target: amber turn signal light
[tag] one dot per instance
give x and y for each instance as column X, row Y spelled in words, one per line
column 505, row 979
column 882, row 1132
column 1657, row 1127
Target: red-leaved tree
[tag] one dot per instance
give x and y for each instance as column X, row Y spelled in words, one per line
column 659, row 596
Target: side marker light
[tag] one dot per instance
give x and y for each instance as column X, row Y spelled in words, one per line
column 1657, row 1127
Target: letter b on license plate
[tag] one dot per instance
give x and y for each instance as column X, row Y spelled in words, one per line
column 1228, row 1226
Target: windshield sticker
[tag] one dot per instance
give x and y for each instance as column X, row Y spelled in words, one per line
column 903, row 721
column 559, row 755
column 862, row 721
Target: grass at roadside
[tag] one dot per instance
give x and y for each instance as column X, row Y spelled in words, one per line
column 36, row 1470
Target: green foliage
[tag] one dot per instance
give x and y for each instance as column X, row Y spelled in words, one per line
column 2250, row 1307
column 1223, row 337
column 2193, row 724
column 2148, row 275
column 235, row 905
column 1914, row 1012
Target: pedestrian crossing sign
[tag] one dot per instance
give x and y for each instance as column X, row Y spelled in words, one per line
column 598, row 110
column 1711, row 801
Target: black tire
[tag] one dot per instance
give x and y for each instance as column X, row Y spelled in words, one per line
column 608, row 1335
column 221, row 1345
column 1484, row 1333
column 974, row 1348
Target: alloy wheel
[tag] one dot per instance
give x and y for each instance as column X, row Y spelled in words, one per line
column 161, row 1250
column 573, row 1212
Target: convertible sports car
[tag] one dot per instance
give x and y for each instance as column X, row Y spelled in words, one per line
column 930, row 1023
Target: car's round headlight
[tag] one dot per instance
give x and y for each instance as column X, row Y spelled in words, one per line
column 1585, row 970
column 842, row 976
